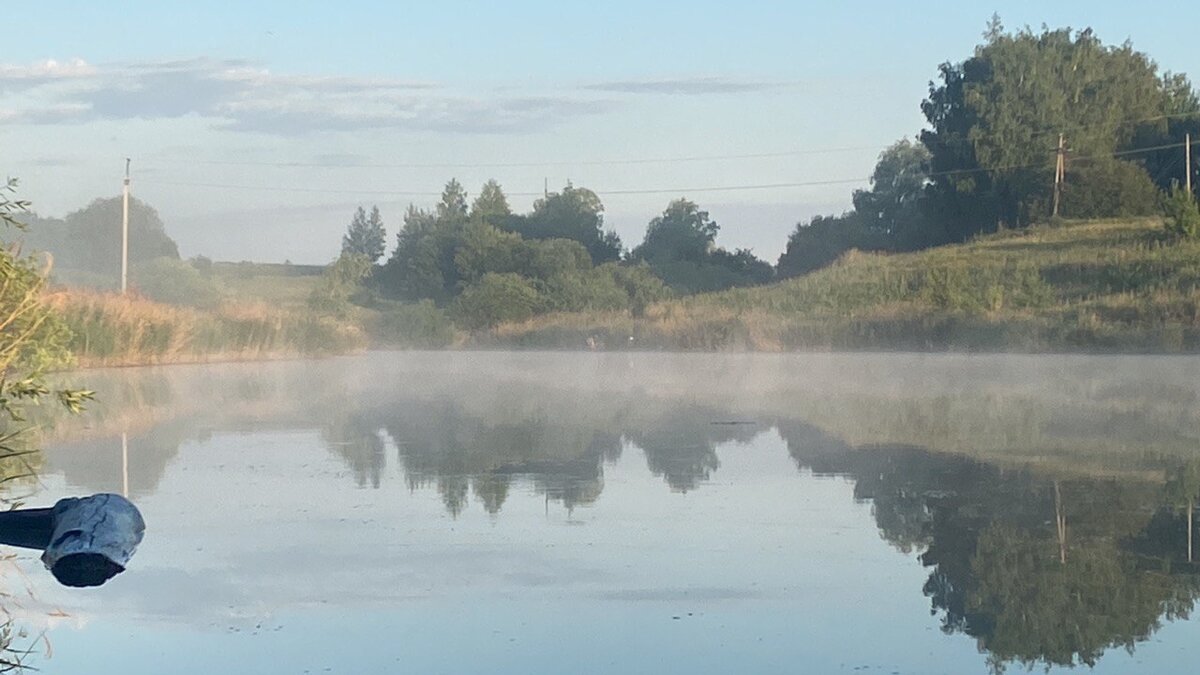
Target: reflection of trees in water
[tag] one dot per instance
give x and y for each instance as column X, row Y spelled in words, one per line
column 1001, row 569
column 681, row 443
column 355, row 439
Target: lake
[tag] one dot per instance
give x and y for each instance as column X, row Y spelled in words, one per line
column 475, row 512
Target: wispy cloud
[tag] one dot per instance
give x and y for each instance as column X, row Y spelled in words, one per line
column 239, row 95
column 691, row 86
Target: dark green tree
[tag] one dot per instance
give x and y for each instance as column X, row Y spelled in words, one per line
column 995, row 119
column 575, row 213
column 892, row 207
column 365, row 236
column 491, row 206
column 682, row 232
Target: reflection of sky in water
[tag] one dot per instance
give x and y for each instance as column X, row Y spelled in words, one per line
column 267, row 552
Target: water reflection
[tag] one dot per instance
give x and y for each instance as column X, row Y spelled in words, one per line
column 1051, row 502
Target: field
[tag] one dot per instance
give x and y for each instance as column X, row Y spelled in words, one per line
column 1110, row 286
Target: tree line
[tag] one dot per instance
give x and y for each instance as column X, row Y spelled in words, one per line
column 490, row 265
column 985, row 161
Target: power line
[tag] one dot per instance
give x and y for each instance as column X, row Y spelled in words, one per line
column 409, row 193
column 520, row 165
column 652, row 191
column 625, row 161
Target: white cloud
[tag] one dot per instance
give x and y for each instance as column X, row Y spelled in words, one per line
column 238, row 95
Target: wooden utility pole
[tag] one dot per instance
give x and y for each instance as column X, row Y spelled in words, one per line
column 125, row 231
column 1187, row 163
column 1060, row 521
column 1059, row 166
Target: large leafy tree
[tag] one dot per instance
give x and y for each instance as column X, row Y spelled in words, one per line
column 682, row 232
column 365, row 236
column 575, row 213
column 680, row 248
column 892, row 207
column 995, row 119
column 491, row 206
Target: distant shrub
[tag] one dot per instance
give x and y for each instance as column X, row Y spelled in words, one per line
column 176, row 282
column 1182, row 214
column 1109, row 189
column 497, row 299
column 420, row 324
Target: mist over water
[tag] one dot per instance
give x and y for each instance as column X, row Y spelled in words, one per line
column 636, row 513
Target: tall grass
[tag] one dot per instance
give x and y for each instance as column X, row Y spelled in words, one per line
column 111, row 330
column 1095, row 286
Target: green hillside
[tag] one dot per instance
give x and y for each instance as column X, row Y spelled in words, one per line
column 1094, row 286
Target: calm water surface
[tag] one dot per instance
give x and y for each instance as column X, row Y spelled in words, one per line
column 549, row 513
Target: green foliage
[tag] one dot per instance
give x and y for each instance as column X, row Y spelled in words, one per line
column 495, row 299
column 575, row 213
column 491, row 206
column 531, row 264
column 891, row 209
column 176, row 282
column 341, row 280
column 1107, row 286
column 1182, row 213
column 365, row 236
column 89, row 240
column 682, row 232
column 421, row 325
column 1108, row 188
column 33, row 338
column 485, row 249
column 822, row 240
column 641, row 286
column 679, row 246
column 996, row 117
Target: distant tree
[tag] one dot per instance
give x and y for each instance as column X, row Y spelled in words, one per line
column 1182, row 213
column 452, row 209
column 994, row 120
column 575, row 213
column 679, row 246
column 821, row 240
column 491, row 206
column 366, row 235
column 339, row 282
column 486, row 249
column 415, row 269
column 497, row 299
column 682, row 232
column 89, row 240
column 892, row 207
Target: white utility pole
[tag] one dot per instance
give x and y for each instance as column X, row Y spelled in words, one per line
column 125, row 231
column 1187, row 156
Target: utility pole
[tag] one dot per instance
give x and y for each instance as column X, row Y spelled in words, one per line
column 125, row 231
column 1187, row 156
column 546, row 187
column 1059, row 166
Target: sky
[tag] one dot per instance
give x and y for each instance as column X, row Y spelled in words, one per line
column 256, row 128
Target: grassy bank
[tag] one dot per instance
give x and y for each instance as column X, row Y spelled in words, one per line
column 112, row 330
column 1096, row 286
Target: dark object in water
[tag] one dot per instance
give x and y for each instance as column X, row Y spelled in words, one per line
column 86, row 540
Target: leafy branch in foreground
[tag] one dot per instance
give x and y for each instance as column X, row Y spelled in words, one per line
column 33, row 339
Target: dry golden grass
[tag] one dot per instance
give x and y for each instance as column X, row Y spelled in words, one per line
column 115, row 330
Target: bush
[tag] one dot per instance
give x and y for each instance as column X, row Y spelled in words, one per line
column 497, row 299
column 1108, row 189
column 420, row 325
column 175, row 282
column 1182, row 214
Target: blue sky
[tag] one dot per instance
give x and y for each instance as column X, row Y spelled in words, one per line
column 382, row 102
